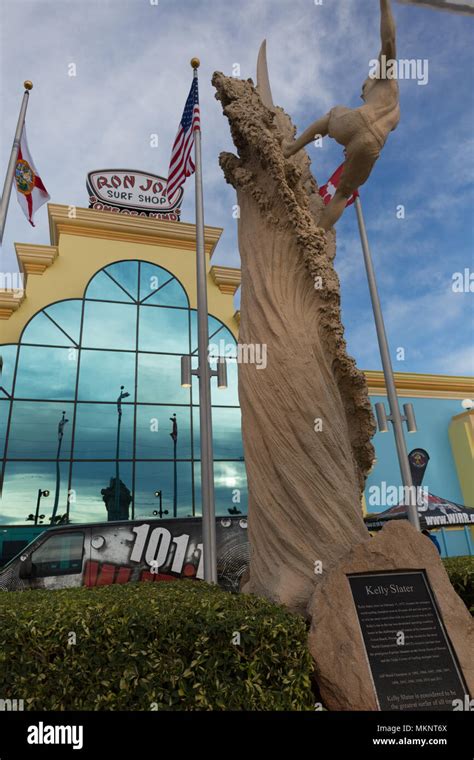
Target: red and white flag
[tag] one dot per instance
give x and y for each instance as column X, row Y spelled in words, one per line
column 29, row 187
column 328, row 191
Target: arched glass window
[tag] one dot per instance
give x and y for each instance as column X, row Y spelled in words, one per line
column 130, row 329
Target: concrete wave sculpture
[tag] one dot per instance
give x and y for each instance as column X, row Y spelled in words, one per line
column 307, row 419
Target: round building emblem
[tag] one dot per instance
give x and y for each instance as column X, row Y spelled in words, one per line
column 419, row 458
column 24, row 177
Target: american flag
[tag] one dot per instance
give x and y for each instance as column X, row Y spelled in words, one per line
column 181, row 163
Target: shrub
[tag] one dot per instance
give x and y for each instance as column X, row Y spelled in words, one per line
column 152, row 646
column 461, row 575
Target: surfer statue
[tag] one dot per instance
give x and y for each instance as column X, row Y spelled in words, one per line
column 362, row 131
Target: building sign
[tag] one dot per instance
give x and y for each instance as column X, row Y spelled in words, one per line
column 126, row 191
column 412, row 663
column 418, row 459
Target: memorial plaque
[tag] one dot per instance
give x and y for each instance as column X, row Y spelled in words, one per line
column 411, row 659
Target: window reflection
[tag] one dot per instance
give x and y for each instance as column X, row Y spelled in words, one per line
column 34, row 430
column 217, row 332
column 159, row 379
column 74, row 357
column 8, row 354
column 21, row 484
column 159, row 476
column 89, row 479
column 165, row 330
column 67, row 314
column 42, row 330
column 103, row 372
column 159, row 288
column 105, row 288
column 227, row 434
column 230, row 487
column 4, row 412
column 96, row 431
column 46, row 373
column 125, row 274
column 153, row 432
column 109, row 325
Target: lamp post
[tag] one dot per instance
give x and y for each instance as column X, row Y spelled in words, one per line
column 63, row 421
column 123, row 394
column 160, row 511
column 174, row 436
column 204, row 373
column 38, row 502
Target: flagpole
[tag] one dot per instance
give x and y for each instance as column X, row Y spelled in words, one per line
column 395, row 416
column 207, row 457
column 7, row 187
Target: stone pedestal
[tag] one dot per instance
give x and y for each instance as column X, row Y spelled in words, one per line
column 335, row 639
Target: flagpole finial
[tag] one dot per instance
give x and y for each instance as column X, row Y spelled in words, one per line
column 28, row 85
column 195, row 63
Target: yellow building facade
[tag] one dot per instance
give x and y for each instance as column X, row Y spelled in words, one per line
column 85, row 243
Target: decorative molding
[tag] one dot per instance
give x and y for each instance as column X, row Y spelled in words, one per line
column 131, row 229
column 10, row 301
column 35, row 259
column 227, row 279
column 467, row 416
column 421, row 385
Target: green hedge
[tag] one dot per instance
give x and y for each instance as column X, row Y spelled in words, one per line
column 461, row 575
column 152, row 646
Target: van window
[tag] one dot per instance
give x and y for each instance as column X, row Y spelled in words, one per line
column 59, row 555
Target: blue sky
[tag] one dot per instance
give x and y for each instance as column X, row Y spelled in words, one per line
column 133, row 76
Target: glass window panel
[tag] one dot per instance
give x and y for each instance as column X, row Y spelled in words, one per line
column 226, row 433
column 153, row 432
column 166, row 289
column 46, row 373
column 109, row 325
column 88, row 480
column 96, row 431
column 159, row 476
column 8, row 354
column 103, row 288
column 4, row 412
column 68, row 316
column 103, row 372
column 223, row 344
column 34, row 430
column 164, row 330
column 126, row 274
column 230, row 487
column 42, row 331
column 20, row 491
column 220, row 396
column 59, row 555
column 159, row 380
column 214, row 326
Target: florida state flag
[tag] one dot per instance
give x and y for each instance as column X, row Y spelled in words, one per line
column 328, row 191
column 29, row 187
